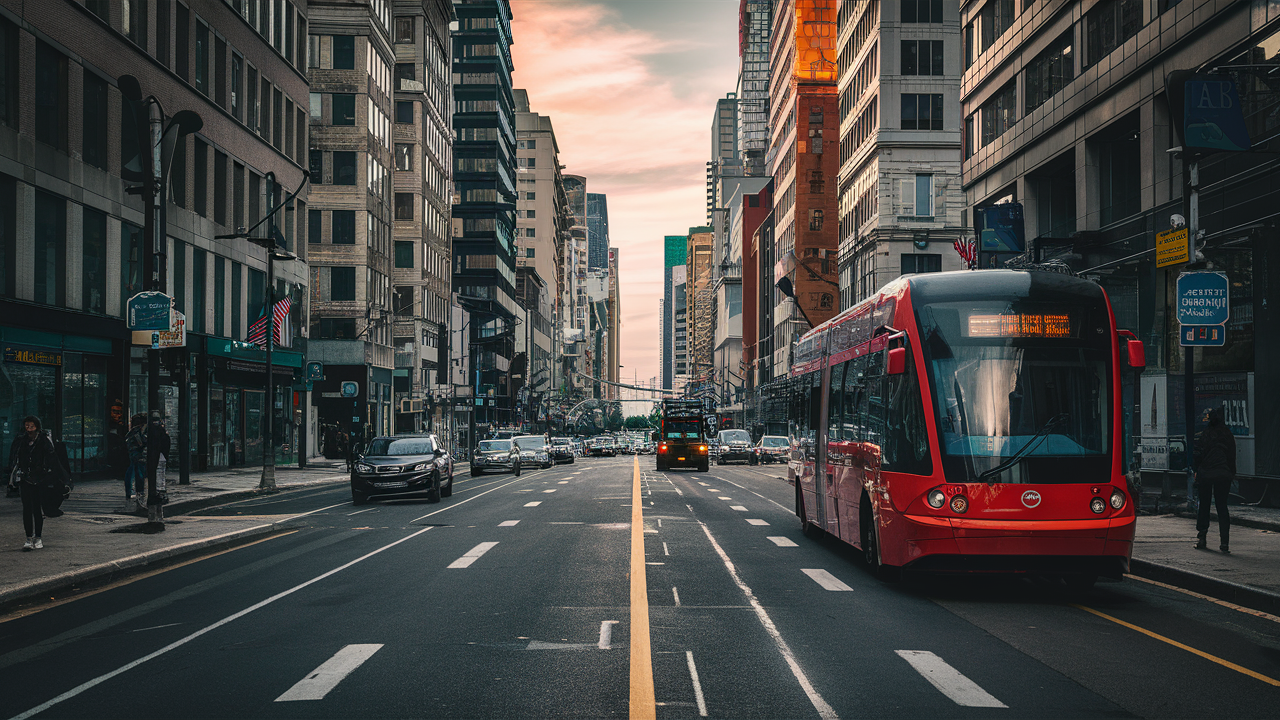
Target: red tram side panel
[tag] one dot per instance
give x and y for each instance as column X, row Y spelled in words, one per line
column 874, row 467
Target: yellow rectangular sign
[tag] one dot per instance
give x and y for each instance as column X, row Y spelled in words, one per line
column 1172, row 247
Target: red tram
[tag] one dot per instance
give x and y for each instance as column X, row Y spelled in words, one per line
column 969, row 422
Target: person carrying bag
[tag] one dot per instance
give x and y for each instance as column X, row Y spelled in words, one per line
column 32, row 460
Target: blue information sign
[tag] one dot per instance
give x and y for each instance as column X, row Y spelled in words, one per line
column 1212, row 117
column 315, row 371
column 1204, row 298
column 149, row 311
column 1202, row 335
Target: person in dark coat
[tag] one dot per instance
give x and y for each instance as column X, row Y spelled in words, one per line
column 135, row 478
column 157, row 459
column 1215, row 469
column 32, row 455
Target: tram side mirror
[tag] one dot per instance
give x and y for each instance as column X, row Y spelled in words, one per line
column 897, row 364
column 1137, row 354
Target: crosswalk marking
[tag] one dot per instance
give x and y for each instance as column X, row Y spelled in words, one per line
column 826, row 579
column 758, row 521
column 782, row 541
column 320, row 681
column 508, row 523
column 472, row 555
column 535, row 503
column 948, row 680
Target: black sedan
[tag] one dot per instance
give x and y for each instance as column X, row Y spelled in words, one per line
column 402, row 466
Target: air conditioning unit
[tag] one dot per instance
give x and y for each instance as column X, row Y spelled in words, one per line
column 410, row 406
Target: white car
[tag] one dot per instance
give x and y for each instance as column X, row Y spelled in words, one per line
column 534, row 450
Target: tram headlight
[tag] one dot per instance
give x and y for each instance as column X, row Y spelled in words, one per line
column 936, row 498
column 1097, row 505
column 959, row 504
column 1117, row 499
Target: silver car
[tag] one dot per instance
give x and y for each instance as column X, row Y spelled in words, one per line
column 534, row 450
column 502, row 455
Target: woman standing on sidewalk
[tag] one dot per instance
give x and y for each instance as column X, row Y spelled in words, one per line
column 135, row 477
column 32, row 456
column 1215, row 469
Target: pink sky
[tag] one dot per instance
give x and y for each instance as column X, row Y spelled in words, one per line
column 631, row 87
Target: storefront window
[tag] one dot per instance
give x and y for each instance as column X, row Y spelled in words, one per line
column 26, row 389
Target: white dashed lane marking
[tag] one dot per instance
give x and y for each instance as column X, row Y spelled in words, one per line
column 508, row 523
column 726, row 498
column 758, row 521
column 563, row 482
column 535, row 503
column 551, row 490
column 472, row 555
column 948, row 680
column 737, row 507
column 826, row 579
column 320, row 681
column 782, row 541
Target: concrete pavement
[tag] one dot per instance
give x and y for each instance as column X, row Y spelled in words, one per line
column 96, row 540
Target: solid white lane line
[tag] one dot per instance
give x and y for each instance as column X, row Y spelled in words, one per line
column 676, row 594
column 360, row 511
column 757, row 521
column 550, row 490
column 825, row 711
column 782, row 541
column 508, row 523
column 665, row 551
column 697, row 686
column 472, row 555
column 535, row 503
column 209, row 628
column 606, row 634
column 753, row 492
column 826, row 579
column 326, row 677
column 948, row 680
column 739, row 508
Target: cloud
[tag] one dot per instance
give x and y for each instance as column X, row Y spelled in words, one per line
column 631, row 99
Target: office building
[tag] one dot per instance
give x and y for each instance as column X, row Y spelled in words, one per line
column 755, row 25
column 597, row 231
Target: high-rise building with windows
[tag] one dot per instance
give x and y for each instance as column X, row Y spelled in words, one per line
column 900, row 196
column 755, row 25
column 484, row 211
column 675, row 330
column 597, row 231
column 421, row 179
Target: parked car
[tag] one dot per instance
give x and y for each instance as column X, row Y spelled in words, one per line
column 734, row 446
column 534, row 450
column 496, row 455
column 601, row 446
column 402, row 466
column 562, row 450
column 773, row 449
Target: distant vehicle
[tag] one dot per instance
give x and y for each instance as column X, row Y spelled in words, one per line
column 402, row 466
column 773, row 449
column 534, row 450
column 682, row 442
column 734, row 446
column 601, row 446
column 562, row 450
column 504, row 433
column 496, row 455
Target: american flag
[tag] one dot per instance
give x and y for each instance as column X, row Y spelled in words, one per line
column 258, row 330
column 968, row 251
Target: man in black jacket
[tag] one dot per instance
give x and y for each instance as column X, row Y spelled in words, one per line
column 32, row 456
column 1215, row 469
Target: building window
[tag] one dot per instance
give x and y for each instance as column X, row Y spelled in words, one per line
column 101, row 8
column 8, row 237
column 315, row 166
column 404, row 156
column 94, row 262
column 405, row 71
column 922, row 11
column 182, row 41
column 51, row 96
column 316, row 107
column 344, row 227
column 252, row 100
column 200, row 169
column 921, row 112
column 404, row 29
column 815, row 219
column 50, row 249
column 922, row 57
column 531, row 232
column 237, row 195
column 342, row 284
column 198, row 289
column 921, row 263
column 315, row 229
column 237, row 292
column 344, row 52
column 404, row 253
column 178, row 173
column 404, row 206
column 133, row 16
column 334, row 329
column 95, row 115
column 220, row 187
column 130, row 263
column 916, row 196
column 202, row 57
column 404, row 111
column 529, row 252
column 344, row 109
column 1109, row 24
column 1119, row 179
column 344, row 168
column 236, row 83
column 219, row 296
column 999, row 113
column 8, row 73
column 1050, row 71
column 162, row 33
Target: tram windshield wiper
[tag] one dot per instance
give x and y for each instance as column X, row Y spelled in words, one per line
column 1023, row 451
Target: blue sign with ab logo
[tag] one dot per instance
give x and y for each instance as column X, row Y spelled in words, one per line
column 1204, row 306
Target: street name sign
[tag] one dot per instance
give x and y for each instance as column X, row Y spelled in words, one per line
column 1203, row 298
column 149, row 311
column 1172, row 247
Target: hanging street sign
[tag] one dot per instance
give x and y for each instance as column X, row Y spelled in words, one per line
column 315, row 371
column 177, row 337
column 149, row 311
column 1172, row 247
column 1203, row 298
column 1202, row 335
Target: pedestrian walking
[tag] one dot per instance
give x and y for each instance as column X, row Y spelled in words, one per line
column 31, row 465
column 157, row 459
column 1215, row 469
column 135, row 476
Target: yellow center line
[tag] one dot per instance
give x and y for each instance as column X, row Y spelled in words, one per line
column 642, row 703
column 1188, row 648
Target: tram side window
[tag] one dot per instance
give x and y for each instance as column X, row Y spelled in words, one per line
column 854, row 400
column 899, row 420
column 835, row 403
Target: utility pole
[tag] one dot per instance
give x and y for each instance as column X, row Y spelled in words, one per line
column 1191, row 206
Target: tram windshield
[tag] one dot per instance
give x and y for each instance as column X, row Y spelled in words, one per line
column 1020, row 393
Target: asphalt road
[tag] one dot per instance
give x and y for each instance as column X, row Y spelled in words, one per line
column 516, row 598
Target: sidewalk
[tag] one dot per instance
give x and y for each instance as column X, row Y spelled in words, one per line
column 96, row 540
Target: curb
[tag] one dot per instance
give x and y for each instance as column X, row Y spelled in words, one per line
column 1243, row 595
column 1236, row 520
column 107, row 571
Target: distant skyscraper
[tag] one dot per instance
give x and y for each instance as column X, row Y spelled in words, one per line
column 675, row 352
column 597, row 231
column 754, row 28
